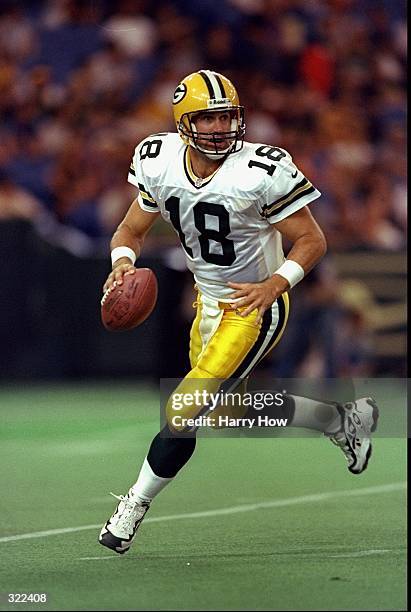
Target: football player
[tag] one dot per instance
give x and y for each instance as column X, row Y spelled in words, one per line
column 231, row 203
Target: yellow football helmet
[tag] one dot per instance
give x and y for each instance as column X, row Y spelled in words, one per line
column 208, row 91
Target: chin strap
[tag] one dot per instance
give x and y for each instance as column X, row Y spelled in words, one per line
column 215, row 156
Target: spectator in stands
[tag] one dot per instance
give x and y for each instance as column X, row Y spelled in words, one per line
column 326, row 80
column 15, row 202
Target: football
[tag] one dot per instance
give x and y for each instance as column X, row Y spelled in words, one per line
column 127, row 305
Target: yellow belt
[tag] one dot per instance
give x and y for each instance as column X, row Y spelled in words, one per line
column 221, row 305
column 225, row 306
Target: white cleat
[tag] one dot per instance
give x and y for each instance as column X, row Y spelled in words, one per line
column 359, row 421
column 119, row 531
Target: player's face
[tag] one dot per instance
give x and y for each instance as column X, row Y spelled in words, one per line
column 215, row 125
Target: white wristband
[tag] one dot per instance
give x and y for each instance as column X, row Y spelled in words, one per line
column 122, row 251
column 291, row 271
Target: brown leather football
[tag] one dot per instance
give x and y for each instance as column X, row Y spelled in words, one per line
column 127, row 305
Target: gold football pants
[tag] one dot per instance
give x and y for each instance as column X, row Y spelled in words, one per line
column 224, row 346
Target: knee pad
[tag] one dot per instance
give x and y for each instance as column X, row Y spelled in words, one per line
column 186, row 400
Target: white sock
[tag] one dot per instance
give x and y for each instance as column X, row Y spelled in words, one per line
column 315, row 414
column 148, row 485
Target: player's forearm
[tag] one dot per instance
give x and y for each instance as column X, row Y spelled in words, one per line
column 305, row 253
column 125, row 237
column 308, row 245
column 307, row 250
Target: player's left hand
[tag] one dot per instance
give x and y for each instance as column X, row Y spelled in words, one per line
column 258, row 295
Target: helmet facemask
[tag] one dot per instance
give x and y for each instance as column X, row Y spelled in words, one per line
column 235, row 135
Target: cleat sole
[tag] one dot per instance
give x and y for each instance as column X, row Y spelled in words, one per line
column 111, row 542
column 367, row 458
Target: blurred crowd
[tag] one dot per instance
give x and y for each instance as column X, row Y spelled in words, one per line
column 81, row 82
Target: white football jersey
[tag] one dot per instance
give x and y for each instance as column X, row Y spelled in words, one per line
column 224, row 222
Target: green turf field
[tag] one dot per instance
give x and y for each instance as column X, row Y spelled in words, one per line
column 249, row 524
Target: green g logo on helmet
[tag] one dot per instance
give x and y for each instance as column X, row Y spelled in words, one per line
column 179, row 93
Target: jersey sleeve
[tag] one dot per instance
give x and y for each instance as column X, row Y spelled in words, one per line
column 288, row 191
column 136, row 177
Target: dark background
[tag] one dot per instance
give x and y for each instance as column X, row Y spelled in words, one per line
column 82, row 82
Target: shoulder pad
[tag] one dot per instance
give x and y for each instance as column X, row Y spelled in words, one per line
column 258, row 165
column 154, row 152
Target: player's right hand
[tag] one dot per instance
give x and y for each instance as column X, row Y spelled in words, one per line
column 116, row 275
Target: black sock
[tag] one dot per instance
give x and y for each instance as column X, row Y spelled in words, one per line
column 168, row 454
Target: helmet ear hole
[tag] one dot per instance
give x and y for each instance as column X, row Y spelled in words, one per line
column 183, row 130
